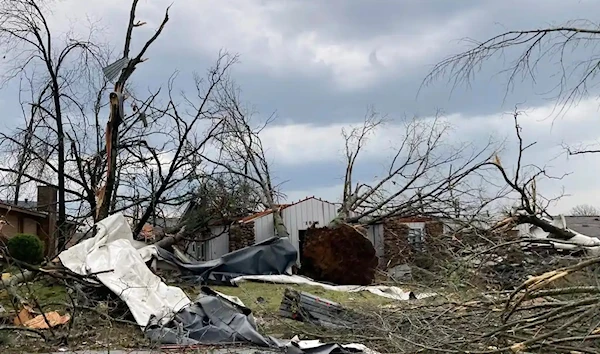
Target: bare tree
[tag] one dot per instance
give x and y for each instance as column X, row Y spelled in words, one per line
column 426, row 175
column 155, row 149
column 241, row 152
column 584, row 210
column 552, row 45
column 26, row 38
column 531, row 206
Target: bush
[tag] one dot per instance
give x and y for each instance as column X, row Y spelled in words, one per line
column 26, row 248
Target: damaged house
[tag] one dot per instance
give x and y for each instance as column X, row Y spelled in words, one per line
column 394, row 239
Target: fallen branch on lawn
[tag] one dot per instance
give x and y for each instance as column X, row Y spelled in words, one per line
column 25, row 329
column 556, row 320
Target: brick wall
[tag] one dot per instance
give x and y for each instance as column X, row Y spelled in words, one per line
column 241, row 235
column 397, row 249
column 395, row 242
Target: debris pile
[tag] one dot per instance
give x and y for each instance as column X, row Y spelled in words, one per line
column 340, row 255
column 112, row 260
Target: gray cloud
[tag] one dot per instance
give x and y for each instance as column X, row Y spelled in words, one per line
column 303, row 91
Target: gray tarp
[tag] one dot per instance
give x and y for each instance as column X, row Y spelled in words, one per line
column 272, row 256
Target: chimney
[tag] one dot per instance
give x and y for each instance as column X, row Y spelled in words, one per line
column 47, row 198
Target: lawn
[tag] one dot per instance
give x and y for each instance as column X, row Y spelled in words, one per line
column 92, row 330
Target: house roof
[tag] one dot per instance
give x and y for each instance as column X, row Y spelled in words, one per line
column 280, row 207
column 586, row 225
column 28, row 211
column 18, row 209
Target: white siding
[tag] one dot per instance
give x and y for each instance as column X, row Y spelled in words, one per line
column 375, row 235
column 213, row 248
column 302, row 215
column 218, row 246
column 264, row 228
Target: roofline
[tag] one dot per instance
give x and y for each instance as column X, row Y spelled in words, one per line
column 32, row 212
column 22, row 210
column 281, row 207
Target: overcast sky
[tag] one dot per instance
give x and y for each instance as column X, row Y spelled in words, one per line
column 319, row 64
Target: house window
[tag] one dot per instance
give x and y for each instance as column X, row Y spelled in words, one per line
column 416, row 239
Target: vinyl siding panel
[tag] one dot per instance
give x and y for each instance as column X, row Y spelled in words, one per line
column 375, row 235
column 218, row 246
column 264, row 228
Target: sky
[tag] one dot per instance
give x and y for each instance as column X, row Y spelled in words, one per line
column 318, row 65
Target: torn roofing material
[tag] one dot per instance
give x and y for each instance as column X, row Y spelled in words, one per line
column 165, row 312
column 272, row 256
column 119, row 262
column 215, row 319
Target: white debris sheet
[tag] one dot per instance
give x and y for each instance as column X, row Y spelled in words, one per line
column 390, row 292
column 580, row 241
column 119, row 263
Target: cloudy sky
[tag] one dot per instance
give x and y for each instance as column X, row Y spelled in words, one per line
column 319, row 64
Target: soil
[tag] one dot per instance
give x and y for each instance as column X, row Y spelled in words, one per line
column 338, row 255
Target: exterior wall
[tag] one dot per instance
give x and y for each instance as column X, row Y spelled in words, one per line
column 30, row 226
column 12, row 228
column 302, row 215
column 264, row 228
column 211, row 249
column 19, row 224
column 217, row 246
column 375, row 235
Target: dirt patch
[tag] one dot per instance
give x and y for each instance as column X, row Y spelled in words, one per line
column 338, row 255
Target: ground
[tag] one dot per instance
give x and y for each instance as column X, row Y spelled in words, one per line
column 92, row 330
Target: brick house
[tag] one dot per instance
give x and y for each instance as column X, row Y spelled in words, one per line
column 32, row 217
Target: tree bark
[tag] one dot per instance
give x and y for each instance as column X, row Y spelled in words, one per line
column 280, row 228
column 171, row 240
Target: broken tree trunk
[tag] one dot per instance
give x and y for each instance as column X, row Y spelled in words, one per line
column 170, row 240
column 280, row 228
column 339, row 255
column 557, row 232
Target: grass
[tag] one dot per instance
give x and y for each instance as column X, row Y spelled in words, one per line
column 90, row 330
column 264, row 299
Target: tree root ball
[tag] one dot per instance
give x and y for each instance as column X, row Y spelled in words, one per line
column 338, row 255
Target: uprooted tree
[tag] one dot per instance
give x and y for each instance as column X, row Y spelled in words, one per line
column 426, row 175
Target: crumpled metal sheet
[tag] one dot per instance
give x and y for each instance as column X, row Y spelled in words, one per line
column 214, row 319
column 113, row 70
column 272, row 256
column 113, row 257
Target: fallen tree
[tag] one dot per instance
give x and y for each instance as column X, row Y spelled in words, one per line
column 425, row 177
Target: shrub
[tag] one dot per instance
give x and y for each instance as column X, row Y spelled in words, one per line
column 26, row 248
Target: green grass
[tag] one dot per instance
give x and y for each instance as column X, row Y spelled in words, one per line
column 264, row 298
column 92, row 331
